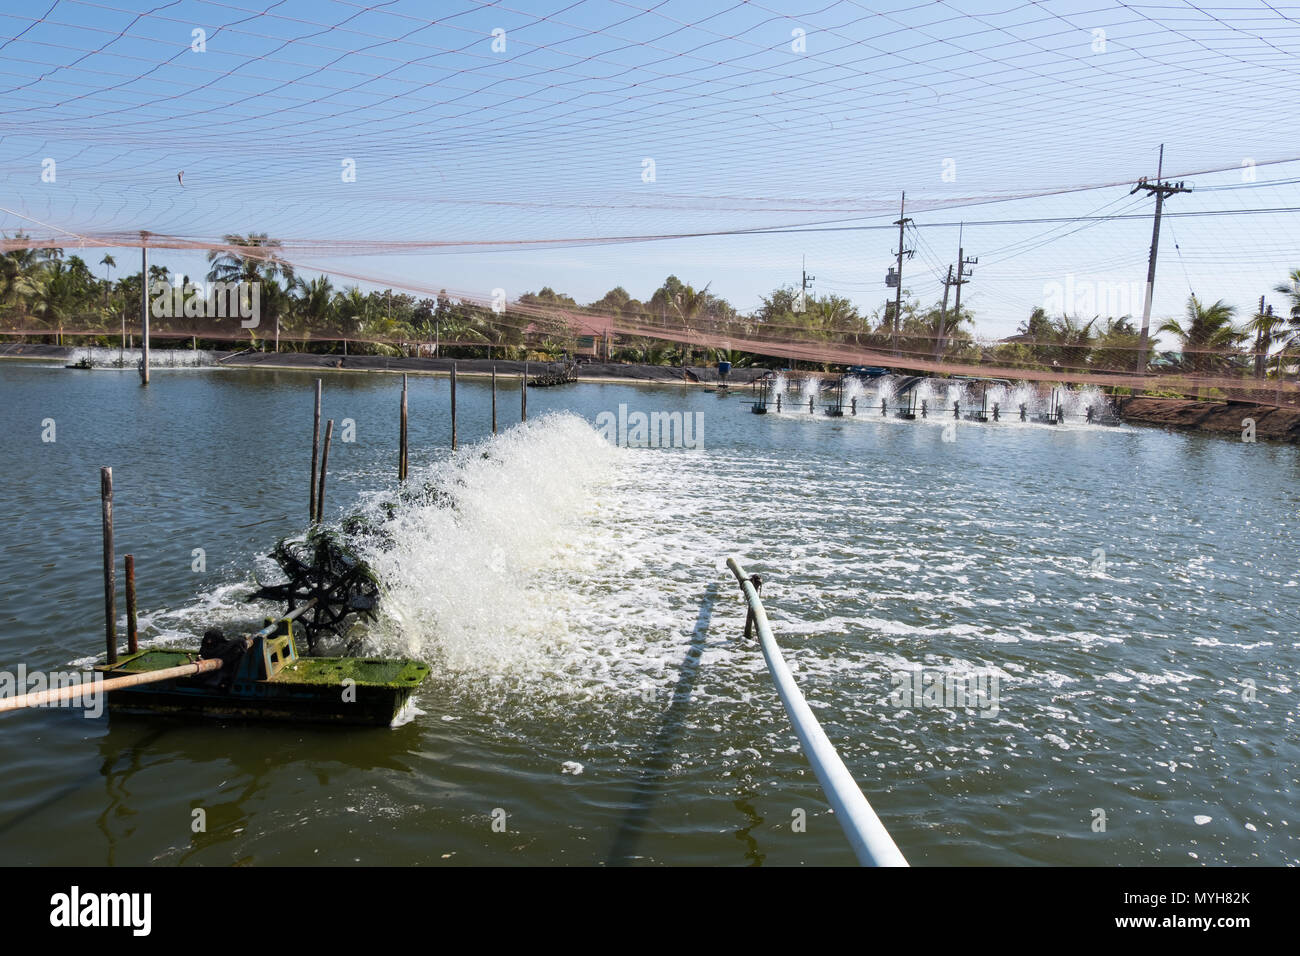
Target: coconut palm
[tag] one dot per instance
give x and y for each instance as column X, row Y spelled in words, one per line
column 314, row 303
column 62, row 291
column 353, row 308
column 691, row 305
column 260, row 263
column 1289, row 336
column 19, row 278
column 1072, row 341
column 109, row 263
column 1207, row 335
column 1116, row 345
column 1269, row 329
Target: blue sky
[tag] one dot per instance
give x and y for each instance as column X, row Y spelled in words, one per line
column 977, row 110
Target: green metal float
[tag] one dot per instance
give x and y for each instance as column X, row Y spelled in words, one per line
column 262, row 677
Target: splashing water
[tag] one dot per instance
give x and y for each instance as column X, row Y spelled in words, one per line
column 1089, row 397
column 1024, row 395
column 853, row 388
column 130, row 358
column 885, row 390
column 810, row 389
column 468, row 575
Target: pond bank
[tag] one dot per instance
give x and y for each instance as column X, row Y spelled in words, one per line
column 1222, row 418
column 587, row 371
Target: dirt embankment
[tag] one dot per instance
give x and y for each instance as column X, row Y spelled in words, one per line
column 586, row 371
column 1224, row 418
column 24, row 350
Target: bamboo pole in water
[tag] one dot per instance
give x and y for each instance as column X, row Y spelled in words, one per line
column 523, row 395
column 132, row 620
column 494, row 398
column 324, row 466
column 453, row 406
column 401, row 461
column 315, row 449
column 110, row 566
column 144, row 311
column 61, row 694
column 207, row 664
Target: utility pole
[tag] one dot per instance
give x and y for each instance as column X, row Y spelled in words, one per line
column 802, row 304
column 901, row 223
column 1263, row 340
column 1161, row 189
column 963, row 276
column 943, row 316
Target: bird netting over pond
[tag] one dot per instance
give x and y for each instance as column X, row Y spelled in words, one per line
column 464, row 155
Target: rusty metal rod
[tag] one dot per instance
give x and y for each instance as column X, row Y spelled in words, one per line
column 132, row 622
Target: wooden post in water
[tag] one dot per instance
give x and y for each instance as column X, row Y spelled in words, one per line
column 315, row 450
column 110, row 566
column 401, row 462
column 324, row 466
column 132, row 622
column 453, row 406
column 523, row 395
column 494, row 398
column 144, row 313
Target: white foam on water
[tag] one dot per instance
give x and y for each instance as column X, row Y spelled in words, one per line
column 99, row 357
column 470, row 579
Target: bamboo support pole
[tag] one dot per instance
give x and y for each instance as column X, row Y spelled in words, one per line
column 324, row 466
column 110, row 566
column 132, row 620
column 61, row 694
column 315, row 450
column 144, row 311
column 523, row 395
column 494, row 399
column 453, row 406
column 401, row 462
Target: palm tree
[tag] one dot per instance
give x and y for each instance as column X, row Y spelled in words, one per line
column 108, row 262
column 61, row 291
column 1116, row 345
column 1073, row 341
column 352, row 306
column 315, row 302
column 1267, row 329
column 19, row 277
column 690, row 304
column 254, row 266
column 1289, row 338
column 263, row 265
column 1208, row 336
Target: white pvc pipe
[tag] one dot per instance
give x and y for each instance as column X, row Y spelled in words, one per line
column 871, row 842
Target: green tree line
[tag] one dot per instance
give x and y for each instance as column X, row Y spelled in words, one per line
column 44, row 292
